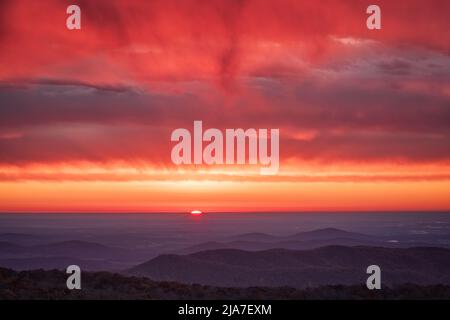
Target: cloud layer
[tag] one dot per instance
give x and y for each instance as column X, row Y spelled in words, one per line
column 348, row 101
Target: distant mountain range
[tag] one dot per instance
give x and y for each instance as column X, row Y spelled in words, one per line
column 27, row 251
column 60, row 263
column 74, row 247
column 22, row 238
column 300, row 269
column 302, row 241
column 319, row 234
column 58, row 255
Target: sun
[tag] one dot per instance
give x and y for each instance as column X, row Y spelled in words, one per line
column 196, row 212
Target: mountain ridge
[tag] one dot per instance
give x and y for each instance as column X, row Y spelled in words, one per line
column 300, row 268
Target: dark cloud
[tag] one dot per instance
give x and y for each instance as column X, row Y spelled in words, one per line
column 395, row 67
column 40, row 105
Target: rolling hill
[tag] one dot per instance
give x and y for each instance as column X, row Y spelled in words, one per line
column 309, row 268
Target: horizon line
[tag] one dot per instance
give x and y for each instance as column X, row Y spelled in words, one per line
column 239, row 212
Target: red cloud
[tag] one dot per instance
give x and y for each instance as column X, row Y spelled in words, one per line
column 137, row 70
column 124, row 41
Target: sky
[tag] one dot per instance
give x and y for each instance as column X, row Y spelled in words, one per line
column 86, row 115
